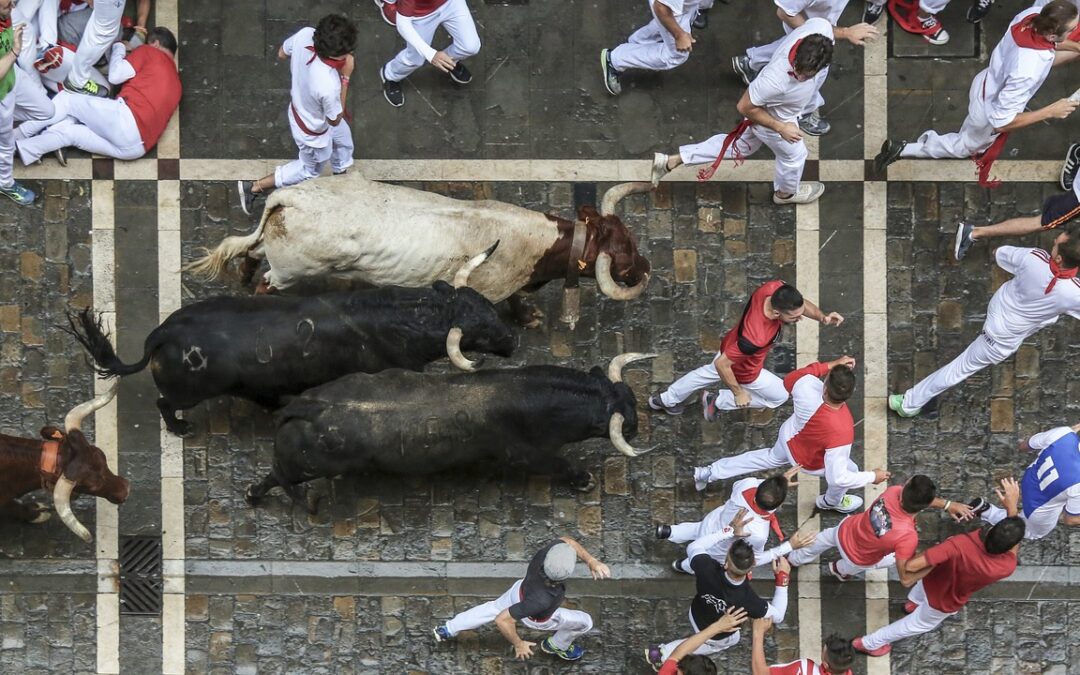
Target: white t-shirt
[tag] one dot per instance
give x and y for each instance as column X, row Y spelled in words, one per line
column 316, row 89
column 1013, row 76
column 830, row 10
column 775, row 88
column 1069, row 498
column 1021, row 306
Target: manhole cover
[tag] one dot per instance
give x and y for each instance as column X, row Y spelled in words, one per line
column 140, row 575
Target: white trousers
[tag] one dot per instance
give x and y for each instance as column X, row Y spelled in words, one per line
column 31, row 101
column 828, row 539
column 651, row 47
column 100, row 32
column 923, row 620
column 567, row 624
column 338, row 152
column 7, row 139
column 1041, row 522
column 975, row 136
column 710, row 646
column 766, row 391
column 101, row 126
column 456, row 18
column 770, row 458
column 790, row 157
column 982, row 352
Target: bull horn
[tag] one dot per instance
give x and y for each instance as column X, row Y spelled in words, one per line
column 453, row 350
column 620, row 443
column 616, row 193
column 73, row 420
column 608, row 285
column 461, row 279
column 614, row 369
column 62, row 501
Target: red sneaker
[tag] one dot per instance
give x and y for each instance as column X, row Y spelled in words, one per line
column 857, row 643
column 388, row 11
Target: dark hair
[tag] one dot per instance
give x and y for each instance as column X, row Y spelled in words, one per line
column 741, row 555
column 1070, row 250
column 840, row 383
column 918, row 493
column 1054, row 18
column 334, row 36
column 163, row 36
column 839, row 653
column 1003, row 536
column 787, row 298
column 696, row 664
column 771, row 493
column 813, row 54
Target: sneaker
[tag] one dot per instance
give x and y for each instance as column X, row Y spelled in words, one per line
column 654, row 657
column 872, row 12
column 60, row 156
column 814, row 125
column 963, row 240
column 657, row 404
column 442, row 634
column 388, row 10
column 741, row 66
column 91, row 88
column 910, row 607
column 890, row 152
column 611, row 76
column 896, row 404
column 663, row 531
column 708, row 406
column 978, row 9
column 19, row 194
column 461, row 74
column 857, row 643
column 1070, row 167
column 808, row 192
column 849, row 504
column 247, row 197
column 701, row 21
column 571, row 653
column 836, row 573
column 979, row 506
column 933, row 32
column 392, row 91
column 659, row 168
column 702, row 478
column 677, row 566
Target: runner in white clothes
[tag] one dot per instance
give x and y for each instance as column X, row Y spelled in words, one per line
column 784, row 89
column 662, row 44
column 817, row 438
column 1050, row 486
column 792, row 14
column 1044, row 286
column 1000, row 93
column 918, row 18
column 416, row 22
column 760, row 499
column 321, row 62
column 100, row 33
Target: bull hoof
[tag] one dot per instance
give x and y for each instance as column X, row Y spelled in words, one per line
column 587, row 486
column 248, row 268
column 179, row 428
column 249, row 496
column 313, row 503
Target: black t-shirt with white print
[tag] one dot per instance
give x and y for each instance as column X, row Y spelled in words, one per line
column 716, row 593
column 539, row 598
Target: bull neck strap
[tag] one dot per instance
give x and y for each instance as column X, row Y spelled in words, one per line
column 50, row 459
column 574, row 263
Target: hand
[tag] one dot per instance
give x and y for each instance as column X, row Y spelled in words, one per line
column 1009, row 493
column 790, row 475
column 789, row 132
column 960, row 512
column 1067, row 46
column 16, row 38
column 599, row 570
column 685, row 42
column 860, row 33
column 350, row 63
column 742, row 399
column 523, row 650
column 1061, row 108
column 762, row 626
column 781, row 564
column 730, row 620
column 880, row 476
column 739, row 522
column 443, row 62
column 842, row 361
column 832, row 319
column 802, row 540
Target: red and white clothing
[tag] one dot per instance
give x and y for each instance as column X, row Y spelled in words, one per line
column 961, row 567
column 314, row 100
column 1018, row 66
column 776, row 89
column 100, row 32
column 873, row 539
column 830, row 10
column 1032, row 299
column 766, row 389
column 652, row 47
column 817, row 437
column 802, row 667
column 124, row 128
column 417, row 21
column 762, row 522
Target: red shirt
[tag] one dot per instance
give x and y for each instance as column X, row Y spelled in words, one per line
column 961, row 567
column 417, row 8
column 670, row 667
column 758, row 330
column 803, row 667
column 883, row 528
column 816, row 427
column 153, row 93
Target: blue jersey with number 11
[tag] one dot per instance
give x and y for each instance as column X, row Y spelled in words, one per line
column 1056, row 469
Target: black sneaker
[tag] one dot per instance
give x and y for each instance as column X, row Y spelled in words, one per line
column 392, row 91
column 657, row 404
column 979, row 506
column 1069, row 169
column 890, row 152
column 461, row 74
column 611, row 76
column 978, row 9
column 247, row 197
column 872, row 12
column 701, row 21
column 677, row 566
column 963, row 240
column 663, row 531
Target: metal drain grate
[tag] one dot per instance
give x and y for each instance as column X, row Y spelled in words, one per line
column 140, row 575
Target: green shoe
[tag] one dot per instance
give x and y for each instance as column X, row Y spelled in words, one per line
column 896, row 404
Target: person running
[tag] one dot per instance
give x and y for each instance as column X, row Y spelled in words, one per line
column 10, row 46
column 683, row 661
column 837, row 655
column 662, row 44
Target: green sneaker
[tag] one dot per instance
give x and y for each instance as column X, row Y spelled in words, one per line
column 91, row 88
column 896, row 404
column 18, row 194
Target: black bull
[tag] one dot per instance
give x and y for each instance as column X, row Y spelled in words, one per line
column 264, row 348
column 418, row 423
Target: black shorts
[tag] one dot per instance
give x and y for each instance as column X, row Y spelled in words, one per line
column 1060, row 209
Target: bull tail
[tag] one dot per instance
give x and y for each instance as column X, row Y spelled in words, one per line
column 212, row 265
column 88, row 330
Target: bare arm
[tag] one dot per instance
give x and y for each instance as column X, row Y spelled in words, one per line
column 8, row 60
column 959, row 511
column 666, row 17
column 725, row 624
column 142, row 13
column 916, row 569
column 508, row 627
column 758, row 664
column 1059, row 109
column 759, row 115
column 723, row 368
column 598, row 569
column 812, row 311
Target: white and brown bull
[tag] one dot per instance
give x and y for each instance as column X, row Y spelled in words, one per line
column 388, row 235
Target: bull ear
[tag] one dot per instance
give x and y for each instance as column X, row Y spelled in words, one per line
column 443, row 287
column 51, row 433
column 589, row 214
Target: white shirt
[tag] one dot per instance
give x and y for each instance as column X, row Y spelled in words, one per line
column 830, row 10
column 1013, row 76
column 757, row 531
column 1021, row 307
column 1069, row 498
column 316, row 88
column 775, row 89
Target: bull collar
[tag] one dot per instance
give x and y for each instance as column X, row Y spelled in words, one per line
column 574, row 263
column 49, row 465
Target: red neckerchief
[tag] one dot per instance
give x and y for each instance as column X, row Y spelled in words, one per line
column 729, row 140
column 791, row 56
column 1025, row 36
column 1058, row 274
column 336, row 64
column 774, row 523
column 5, row 23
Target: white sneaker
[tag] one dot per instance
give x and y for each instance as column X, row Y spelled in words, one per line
column 849, row 504
column 808, row 192
column 659, row 168
column 702, row 476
